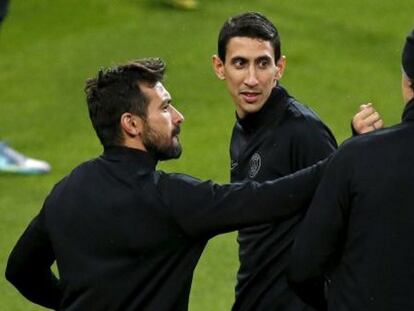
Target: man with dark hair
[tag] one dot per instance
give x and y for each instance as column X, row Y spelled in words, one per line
column 359, row 230
column 274, row 136
column 125, row 236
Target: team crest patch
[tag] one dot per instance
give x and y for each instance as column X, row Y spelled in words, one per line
column 254, row 165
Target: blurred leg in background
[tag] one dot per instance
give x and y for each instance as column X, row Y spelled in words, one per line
column 183, row 4
column 12, row 161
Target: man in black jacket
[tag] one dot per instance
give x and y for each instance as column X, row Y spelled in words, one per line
column 359, row 230
column 274, row 136
column 127, row 237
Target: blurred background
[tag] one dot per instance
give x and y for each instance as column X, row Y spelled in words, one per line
column 340, row 55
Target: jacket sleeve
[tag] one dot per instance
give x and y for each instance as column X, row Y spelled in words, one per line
column 318, row 243
column 29, row 266
column 203, row 208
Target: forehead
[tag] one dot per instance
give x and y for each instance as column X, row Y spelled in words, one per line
column 156, row 92
column 162, row 91
column 248, row 48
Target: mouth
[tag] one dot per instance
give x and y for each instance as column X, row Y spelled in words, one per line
column 250, row 96
column 176, row 133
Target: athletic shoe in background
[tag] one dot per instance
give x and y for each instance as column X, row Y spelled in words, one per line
column 14, row 162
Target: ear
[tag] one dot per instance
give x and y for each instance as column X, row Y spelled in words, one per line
column 131, row 124
column 407, row 89
column 280, row 67
column 218, row 67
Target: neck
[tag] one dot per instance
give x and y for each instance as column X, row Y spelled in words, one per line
column 409, row 100
column 134, row 144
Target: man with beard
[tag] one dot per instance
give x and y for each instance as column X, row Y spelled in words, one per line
column 125, row 236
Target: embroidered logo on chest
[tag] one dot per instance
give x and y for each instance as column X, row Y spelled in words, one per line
column 254, row 165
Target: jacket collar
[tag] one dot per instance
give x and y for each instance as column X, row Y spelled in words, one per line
column 271, row 110
column 408, row 114
column 135, row 157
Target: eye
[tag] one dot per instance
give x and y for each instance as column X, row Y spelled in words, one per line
column 264, row 63
column 165, row 107
column 238, row 62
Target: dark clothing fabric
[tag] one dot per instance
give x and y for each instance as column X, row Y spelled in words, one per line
column 359, row 230
column 4, row 5
column 408, row 55
column 283, row 137
column 127, row 237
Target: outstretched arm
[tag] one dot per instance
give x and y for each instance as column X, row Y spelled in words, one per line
column 207, row 209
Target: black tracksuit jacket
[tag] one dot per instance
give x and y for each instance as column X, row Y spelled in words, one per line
column 127, row 237
column 359, row 230
column 283, row 137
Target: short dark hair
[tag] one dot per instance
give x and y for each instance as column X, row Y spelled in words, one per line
column 115, row 91
column 252, row 25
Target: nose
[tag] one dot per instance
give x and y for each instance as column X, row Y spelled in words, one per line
column 251, row 78
column 178, row 117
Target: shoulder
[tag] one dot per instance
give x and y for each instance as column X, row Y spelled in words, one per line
column 373, row 142
column 377, row 137
column 73, row 177
column 171, row 181
column 301, row 116
column 361, row 149
column 304, row 124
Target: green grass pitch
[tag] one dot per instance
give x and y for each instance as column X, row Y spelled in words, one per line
column 340, row 54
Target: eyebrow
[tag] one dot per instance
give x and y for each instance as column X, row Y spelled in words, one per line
column 266, row 57
column 261, row 57
column 238, row 57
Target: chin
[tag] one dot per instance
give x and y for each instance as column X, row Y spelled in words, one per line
column 253, row 108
